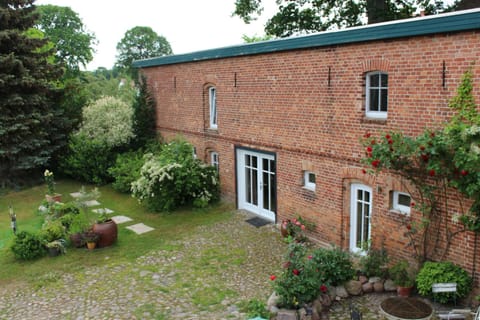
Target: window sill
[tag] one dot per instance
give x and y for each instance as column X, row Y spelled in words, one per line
column 212, row 130
column 308, row 189
column 398, row 212
column 370, row 120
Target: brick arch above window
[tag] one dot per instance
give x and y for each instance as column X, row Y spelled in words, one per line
column 357, row 174
column 376, row 65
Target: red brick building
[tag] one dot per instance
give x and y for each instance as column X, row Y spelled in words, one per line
column 283, row 119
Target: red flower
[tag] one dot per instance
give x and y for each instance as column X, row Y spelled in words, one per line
column 375, row 163
column 425, row 157
column 390, row 141
column 387, row 136
column 412, row 204
column 422, row 148
column 323, row 288
column 310, row 257
column 409, row 227
column 431, row 173
column 464, row 172
column 367, row 135
column 432, row 134
column 373, row 142
column 273, row 277
column 296, row 272
column 302, row 227
column 369, row 149
column 364, row 171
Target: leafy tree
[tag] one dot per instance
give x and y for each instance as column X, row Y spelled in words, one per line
column 256, row 38
column 28, row 119
column 140, row 43
column 65, row 29
column 306, row 16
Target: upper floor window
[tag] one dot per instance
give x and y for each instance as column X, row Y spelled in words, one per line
column 214, row 159
column 212, row 98
column 376, row 95
column 309, row 180
column 401, row 201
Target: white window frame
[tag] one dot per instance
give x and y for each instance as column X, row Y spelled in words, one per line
column 400, row 207
column 214, row 159
column 375, row 114
column 306, row 180
column 212, row 100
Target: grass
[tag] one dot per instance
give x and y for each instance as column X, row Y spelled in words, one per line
column 168, row 228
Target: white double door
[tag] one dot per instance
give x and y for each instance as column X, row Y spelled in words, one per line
column 256, row 183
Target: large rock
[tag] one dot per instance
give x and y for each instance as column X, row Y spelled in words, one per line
column 286, row 314
column 367, row 287
column 362, row 279
column 273, row 301
column 378, row 287
column 389, row 285
column 374, row 279
column 341, row 292
column 353, row 287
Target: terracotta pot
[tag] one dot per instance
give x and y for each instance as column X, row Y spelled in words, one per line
column 108, row 233
column 76, row 240
column 91, row 245
column 404, row 291
column 54, row 198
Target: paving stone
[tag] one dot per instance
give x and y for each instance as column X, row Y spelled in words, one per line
column 103, row 210
column 140, row 228
column 121, row 219
column 76, row 194
column 91, row 203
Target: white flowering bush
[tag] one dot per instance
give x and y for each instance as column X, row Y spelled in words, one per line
column 175, row 178
column 108, row 120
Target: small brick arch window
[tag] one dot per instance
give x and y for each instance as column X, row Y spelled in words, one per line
column 376, row 94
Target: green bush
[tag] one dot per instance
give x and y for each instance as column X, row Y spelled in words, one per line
column 441, row 272
column 256, row 308
column 52, row 230
column 88, row 160
column 335, row 264
column 126, row 170
column 66, row 220
column 175, row 178
column 373, row 264
column 27, row 246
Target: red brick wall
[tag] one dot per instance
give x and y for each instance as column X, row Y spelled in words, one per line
column 283, row 103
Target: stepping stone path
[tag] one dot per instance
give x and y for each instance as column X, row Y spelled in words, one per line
column 103, row 210
column 121, row 219
column 140, row 228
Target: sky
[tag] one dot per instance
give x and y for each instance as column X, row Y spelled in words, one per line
column 188, row 25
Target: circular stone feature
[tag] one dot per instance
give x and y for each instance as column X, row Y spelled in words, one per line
column 399, row 308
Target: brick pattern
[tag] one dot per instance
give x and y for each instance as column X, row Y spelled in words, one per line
column 308, row 107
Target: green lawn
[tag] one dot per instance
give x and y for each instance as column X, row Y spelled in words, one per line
column 168, row 228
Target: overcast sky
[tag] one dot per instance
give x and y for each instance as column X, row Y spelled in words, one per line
column 188, row 25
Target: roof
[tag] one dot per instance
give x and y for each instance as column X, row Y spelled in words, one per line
column 435, row 24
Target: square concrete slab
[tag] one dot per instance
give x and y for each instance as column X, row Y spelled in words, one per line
column 121, row 219
column 103, row 210
column 140, row 228
column 76, row 194
column 91, row 203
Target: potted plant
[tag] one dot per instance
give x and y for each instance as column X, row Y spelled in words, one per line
column 90, row 238
column 78, row 226
column 56, row 247
column 51, row 195
column 403, row 277
column 106, row 228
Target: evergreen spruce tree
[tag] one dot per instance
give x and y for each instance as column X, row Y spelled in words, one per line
column 29, row 123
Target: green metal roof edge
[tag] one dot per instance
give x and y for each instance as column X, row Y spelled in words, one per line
column 442, row 23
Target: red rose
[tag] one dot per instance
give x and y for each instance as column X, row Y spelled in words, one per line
column 296, row 272
column 425, row 157
column 464, row 172
column 409, row 227
column 273, row 277
column 375, row 163
column 364, row 171
column 422, row 148
column 373, row 141
column 431, row 173
column 412, row 204
column 369, row 149
column 387, row 136
column 310, row 257
column 390, row 141
column 367, row 135
column 323, row 288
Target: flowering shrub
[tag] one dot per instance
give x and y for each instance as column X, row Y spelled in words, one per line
column 108, row 120
column 174, row 178
column 49, row 180
column 295, row 229
column 432, row 162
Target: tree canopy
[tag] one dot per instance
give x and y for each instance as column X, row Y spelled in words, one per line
column 140, row 43
column 63, row 27
column 29, row 122
column 306, row 16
